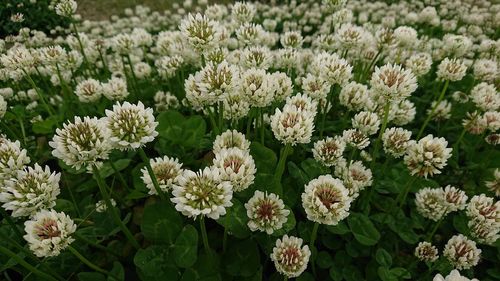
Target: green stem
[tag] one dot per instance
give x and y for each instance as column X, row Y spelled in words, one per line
column 12, row 224
column 314, row 234
column 406, row 191
column 281, row 164
column 89, row 263
column 429, row 116
column 204, row 234
column 118, row 174
column 261, row 126
column 387, row 107
column 146, row 161
column 39, row 93
column 86, row 61
column 95, row 245
column 26, row 265
column 434, row 229
column 224, row 240
column 116, row 217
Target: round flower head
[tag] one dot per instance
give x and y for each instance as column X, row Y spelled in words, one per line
column 494, row 184
column 419, row 63
column 202, row 193
column 327, row 151
column 166, row 170
column 89, row 90
column 484, row 208
column 291, row 39
column 431, row 203
column 256, row 57
column 165, row 101
column 289, row 257
column 355, row 138
column 82, row 143
column 493, row 139
column 366, row 122
column 217, row 80
column 230, row 139
column 315, row 86
column 451, row 69
column 453, row 276
column 355, row 176
column 455, row 198
column 250, row 34
column 485, row 69
column 404, row 112
column 302, row 102
column 131, row 125
column 123, row 43
column 115, row 89
column 66, row 8
column 167, row 66
column 393, row 82
column 101, row 206
column 396, row 141
column 31, row 190
column 427, row 156
column 326, row 200
column 292, row 126
column 426, row 252
column 236, row 166
column 405, row 36
column 200, row 31
column 283, row 86
column 456, row 45
column 355, row 96
column 483, row 231
column 266, row 212
column 243, row 12
column 49, row 232
column 442, row 110
column 257, row 87
column 461, row 252
column 236, row 106
column 12, row 158
column 485, row 96
column 333, row 69
column 351, row 36
column 3, row 106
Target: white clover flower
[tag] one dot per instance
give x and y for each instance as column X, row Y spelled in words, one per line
column 351, row 36
column 393, row 82
column 266, row 212
column 282, row 84
column 32, row 189
column 131, row 125
column 200, row 31
column 451, row 69
column 66, row 8
column 485, row 69
column 89, row 90
column 165, row 101
column 289, row 257
column 17, row 17
column 427, row 156
column 431, row 203
column 355, row 138
column 493, row 185
column 167, row 66
column 115, row 89
column 455, row 198
column 166, row 170
column 12, row 158
column 485, row 96
column 291, row 39
column 366, row 122
column 256, row 85
column 442, row 110
column 256, row 57
column 483, row 231
column 333, row 69
column 142, row 70
column 456, row 45
column 52, row 55
column 453, row 276
column 49, row 232
column 202, row 194
column 405, row 36
column 355, row 176
column 326, row 200
column 426, row 252
column 217, row 80
column 461, row 252
column 484, row 208
column 250, row 34
column 316, row 87
column 396, row 141
column 292, row 125
column 355, row 96
column 230, row 139
column 101, row 206
column 419, row 63
column 236, row 166
column 243, row 12
column 328, row 151
column 82, row 143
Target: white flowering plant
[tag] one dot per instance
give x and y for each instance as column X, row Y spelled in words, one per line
column 310, row 140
